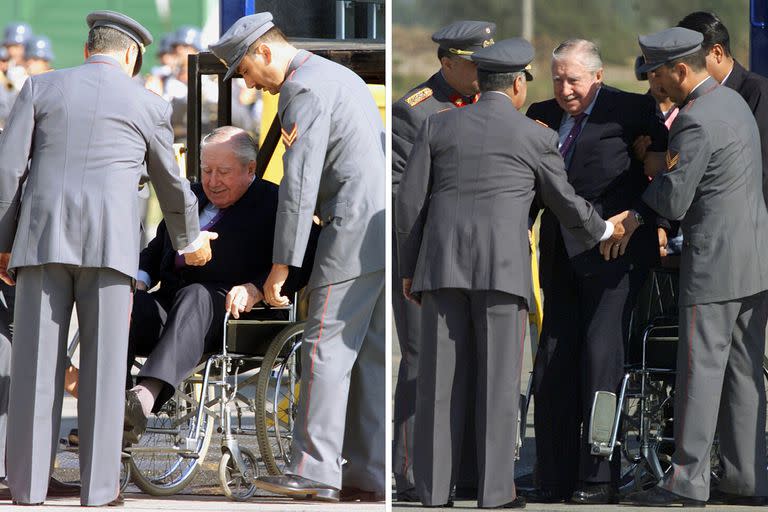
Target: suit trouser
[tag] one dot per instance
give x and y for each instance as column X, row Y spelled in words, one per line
column 45, row 295
column 7, row 298
column 459, row 326
column 581, row 351
column 720, row 386
column 341, row 401
column 174, row 334
column 408, row 324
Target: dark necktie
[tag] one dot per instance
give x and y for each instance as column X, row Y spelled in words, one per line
column 565, row 148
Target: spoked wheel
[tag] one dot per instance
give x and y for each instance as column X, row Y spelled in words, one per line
column 165, row 461
column 238, row 485
column 125, row 471
column 277, row 396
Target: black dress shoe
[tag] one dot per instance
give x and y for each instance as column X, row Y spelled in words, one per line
column 543, row 496
column 58, row 489
column 444, row 505
column 407, row 495
column 298, row 487
column 717, row 497
column 518, row 502
column 73, row 438
column 600, row 494
column 135, row 422
column 660, row 497
column 355, row 494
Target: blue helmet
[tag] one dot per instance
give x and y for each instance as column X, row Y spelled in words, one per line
column 189, row 36
column 17, row 33
column 166, row 43
column 39, row 47
column 4, row 55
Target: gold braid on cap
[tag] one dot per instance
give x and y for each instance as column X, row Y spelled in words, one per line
column 456, row 51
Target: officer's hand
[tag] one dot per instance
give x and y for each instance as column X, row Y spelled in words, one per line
column 203, row 255
column 407, row 283
column 662, row 242
column 5, row 258
column 273, row 287
column 640, row 146
column 242, row 298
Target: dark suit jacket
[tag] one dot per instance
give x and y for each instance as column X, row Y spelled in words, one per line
column 241, row 254
column 462, row 209
column 604, row 172
column 754, row 89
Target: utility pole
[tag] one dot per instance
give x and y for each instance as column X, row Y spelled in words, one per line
column 528, row 20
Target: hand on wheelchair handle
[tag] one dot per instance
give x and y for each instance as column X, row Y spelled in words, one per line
column 242, row 298
column 273, row 287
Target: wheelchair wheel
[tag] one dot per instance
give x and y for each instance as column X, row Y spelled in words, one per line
column 277, row 395
column 164, row 461
column 238, row 485
column 125, row 471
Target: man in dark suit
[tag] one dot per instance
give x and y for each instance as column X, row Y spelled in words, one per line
column 175, row 325
column 588, row 301
column 453, row 86
column 462, row 231
column 725, row 69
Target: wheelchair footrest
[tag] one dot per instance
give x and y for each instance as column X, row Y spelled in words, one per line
column 601, row 423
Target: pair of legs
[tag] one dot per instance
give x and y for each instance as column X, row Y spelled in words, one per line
column 719, row 386
column 339, row 415
column 581, row 351
column 45, row 296
column 461, row 326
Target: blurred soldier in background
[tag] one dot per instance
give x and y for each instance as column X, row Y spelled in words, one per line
column 15, row 37
column 38, row 55
column 7, row 91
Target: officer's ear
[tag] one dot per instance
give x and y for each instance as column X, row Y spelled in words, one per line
column 718, row 53
column 86, row 53
column 265, row 51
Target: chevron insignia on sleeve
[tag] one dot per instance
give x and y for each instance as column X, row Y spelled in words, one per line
column 418, row 97
column 290, row 137
column 671, row 160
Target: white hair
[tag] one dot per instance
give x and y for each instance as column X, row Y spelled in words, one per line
column 586, row 51
column 242, row 143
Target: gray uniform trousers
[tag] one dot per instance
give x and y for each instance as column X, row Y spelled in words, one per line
column 458, row 324
column 340, row 412
column 720, row 386
column 7, row 295
column 45, row 295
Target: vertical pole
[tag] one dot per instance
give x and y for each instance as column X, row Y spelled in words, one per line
column 758, row 36
column 194, row 112
column 527, row 20
column 232, row 10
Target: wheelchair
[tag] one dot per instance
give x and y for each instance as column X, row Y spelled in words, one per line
column 250, row 388
column 640, row 419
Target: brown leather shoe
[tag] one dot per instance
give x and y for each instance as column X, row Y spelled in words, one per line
column 59, row 489
column 355, row 494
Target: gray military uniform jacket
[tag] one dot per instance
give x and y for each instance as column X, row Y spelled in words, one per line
column 462, row 210
column 90, row 135
column 714, row 184
column 334, row 166
column 410, row 112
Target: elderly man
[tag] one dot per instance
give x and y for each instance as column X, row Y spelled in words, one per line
column 453, row 86
column 712, row 183
column 80, row 141
column 176, row 324
column 334, row 165
column 588, row 301
column 463, row 242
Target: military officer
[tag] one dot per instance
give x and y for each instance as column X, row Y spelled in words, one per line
column 80, row 141
column 333, row 166
column 713, row 184
column 453, row 86
column 462, row 231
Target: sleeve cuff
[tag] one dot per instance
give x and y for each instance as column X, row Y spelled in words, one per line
column 144, row 277
column 198, row 243
column 608, row 231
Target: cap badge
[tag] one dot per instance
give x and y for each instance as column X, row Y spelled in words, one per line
column 488, row 42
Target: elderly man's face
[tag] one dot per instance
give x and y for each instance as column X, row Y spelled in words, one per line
column 574, row 85
column 225, row 178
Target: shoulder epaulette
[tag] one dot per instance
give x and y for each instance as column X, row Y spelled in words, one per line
column 542, row 123
column 419, row 96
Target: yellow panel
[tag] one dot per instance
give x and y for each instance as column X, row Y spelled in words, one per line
column 274, row 172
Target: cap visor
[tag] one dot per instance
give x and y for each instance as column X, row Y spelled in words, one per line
column 648, row 66
column 233, row 68
column 528, row 76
